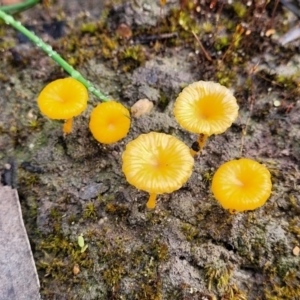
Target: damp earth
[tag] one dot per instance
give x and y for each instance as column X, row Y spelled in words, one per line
column 71, row 186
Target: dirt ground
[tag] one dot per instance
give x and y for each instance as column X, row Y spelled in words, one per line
column 188, row 247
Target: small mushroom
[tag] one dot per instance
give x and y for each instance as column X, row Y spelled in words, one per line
column 157, row 163
column 63, row 99
column 242, row 184
column 205, row 108
column 109, row 122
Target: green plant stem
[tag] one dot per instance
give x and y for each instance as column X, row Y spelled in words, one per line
column 19, row 7
column 53, row 54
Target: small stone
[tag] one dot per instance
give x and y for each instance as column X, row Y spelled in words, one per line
column 93, row 190
column 296, row 251
column 276, row 103
column 76, row 269
column 270, row 32
column 124, row 31
column 141, row 107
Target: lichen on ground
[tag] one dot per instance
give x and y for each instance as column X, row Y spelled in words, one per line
column 189, row 247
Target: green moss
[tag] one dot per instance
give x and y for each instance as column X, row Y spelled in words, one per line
column 163, row 101
column 88, row 28
column 155, row 218
column 159, row 250
column 288, row 289
column 221, row 42
column 90, row 211
column 187, row 22
column 207, row 27
column 28, row 180
column 226, row 76
column 131, row 57
column 294, row 226
column 287, row 82
column 113, row 274
column 189, row 231
column 239, row 8
column 207, row 177
column 218, row 273
column 117, row 210
column 232, row 292
column 3, row 77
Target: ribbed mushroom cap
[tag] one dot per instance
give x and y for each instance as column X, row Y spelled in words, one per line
column 206, row 107
column 109, row 122
column 157, row 163
column 242, row 184
column 63, row 99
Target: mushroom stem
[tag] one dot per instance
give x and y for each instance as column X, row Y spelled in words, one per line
column 152, row 201
column 198, row 145
column 202, row 140
column 68, row 126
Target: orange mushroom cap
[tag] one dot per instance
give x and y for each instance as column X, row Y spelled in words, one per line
column 109, row 122
column 206, row 107
column 242, row 184
column 63, row 99
column 157, row 163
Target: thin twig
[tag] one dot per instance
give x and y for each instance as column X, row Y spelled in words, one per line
column 207, row 56
column 273, row 13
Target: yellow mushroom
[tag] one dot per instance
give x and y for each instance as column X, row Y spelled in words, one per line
column 63, row 99
column 109, row 122
column 242, row 184
column 205, row 108
column 157, row 163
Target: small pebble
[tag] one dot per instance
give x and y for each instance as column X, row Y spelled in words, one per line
column 296, row 251
column 76, row 269
column 270, row 32
column 124, row 31
column 141, row 107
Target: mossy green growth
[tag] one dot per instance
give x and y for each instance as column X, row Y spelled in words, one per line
column 160, row 250
column 88, row 28
column 90, row 211
column 226, row 76
column 190, row 231
column 118, row 210
column 207, row 176
column 232, row 292
column 221, row 42
column 131, row 57
column 207, row 27
column 239, row 8
column 287, row 82
column 187, row 22
column 288, row 289
column 163, row 101
column 219, row 273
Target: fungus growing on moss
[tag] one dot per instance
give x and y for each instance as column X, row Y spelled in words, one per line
column 205, row 108
column 242, row 184
column 157, row 163
column 110, row 122
column 63, row 99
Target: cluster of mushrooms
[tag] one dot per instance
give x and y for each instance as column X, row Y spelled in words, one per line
column 160, row 163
